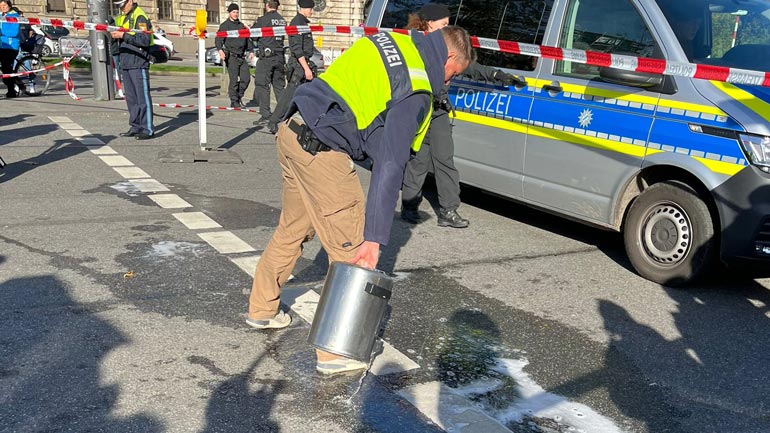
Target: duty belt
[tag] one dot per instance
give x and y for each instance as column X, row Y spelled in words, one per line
column 307, row 140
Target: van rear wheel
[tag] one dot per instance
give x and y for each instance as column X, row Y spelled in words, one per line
column 669, row 234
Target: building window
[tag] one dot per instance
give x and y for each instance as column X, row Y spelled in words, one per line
column 212, row 11
column 55, row 6
column 164, row 10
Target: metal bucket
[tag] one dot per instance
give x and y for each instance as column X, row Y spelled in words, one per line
column 350, row 310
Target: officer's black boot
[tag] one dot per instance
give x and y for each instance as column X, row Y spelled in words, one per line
column 450, row 218
column 409, row 212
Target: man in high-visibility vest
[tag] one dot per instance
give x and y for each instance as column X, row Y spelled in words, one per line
column 374, row 101
column 134, row 48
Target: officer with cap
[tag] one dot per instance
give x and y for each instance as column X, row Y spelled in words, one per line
column 271, row 65
column 299, row 69
column 134, row 49
column 233, row 52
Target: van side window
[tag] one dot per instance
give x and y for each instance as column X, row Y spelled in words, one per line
column 607, row 26
column 513, row 20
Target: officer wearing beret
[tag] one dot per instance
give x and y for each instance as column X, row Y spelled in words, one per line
column 299, row 69
column 233, row 52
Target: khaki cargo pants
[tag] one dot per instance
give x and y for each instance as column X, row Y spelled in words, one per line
column 321, row 195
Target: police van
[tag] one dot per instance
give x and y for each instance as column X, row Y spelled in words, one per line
column 680, row 166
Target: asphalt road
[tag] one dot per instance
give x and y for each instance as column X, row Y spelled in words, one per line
column 115, row 316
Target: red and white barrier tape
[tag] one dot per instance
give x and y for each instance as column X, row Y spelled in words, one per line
column 21, row 74
column 69, row 85
column 208, row 107
column 593, row 58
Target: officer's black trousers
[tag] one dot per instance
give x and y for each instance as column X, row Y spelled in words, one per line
column 136, row 87
column 7, row 57
column 238, row 71
column 269, row 71
column 437, row 153
column 295, row 76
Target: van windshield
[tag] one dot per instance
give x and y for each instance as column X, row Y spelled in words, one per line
column 732, row 33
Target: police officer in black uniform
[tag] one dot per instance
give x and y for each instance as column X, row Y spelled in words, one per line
column 271, row 65
column 299, row 69
column 234, row 51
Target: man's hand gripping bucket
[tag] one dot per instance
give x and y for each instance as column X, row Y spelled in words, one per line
column 349, row 313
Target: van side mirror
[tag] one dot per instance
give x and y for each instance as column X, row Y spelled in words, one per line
column 630, row 78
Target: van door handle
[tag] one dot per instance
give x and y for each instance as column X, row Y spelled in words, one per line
column 554, row 87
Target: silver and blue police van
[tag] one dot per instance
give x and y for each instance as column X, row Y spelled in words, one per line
column 680, row 166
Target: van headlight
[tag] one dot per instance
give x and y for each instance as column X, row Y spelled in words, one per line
column 757, row 149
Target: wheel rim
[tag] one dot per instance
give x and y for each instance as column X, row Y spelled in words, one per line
column 666, row 234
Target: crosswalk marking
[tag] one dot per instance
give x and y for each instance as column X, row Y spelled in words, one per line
column 196, row 220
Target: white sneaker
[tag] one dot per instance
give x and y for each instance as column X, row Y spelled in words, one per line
column 339, row 365
column 31, row 88
column 281, row 320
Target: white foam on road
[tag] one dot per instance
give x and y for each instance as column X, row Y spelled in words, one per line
column 148, row 185
column 534, row 401
column 172, row 249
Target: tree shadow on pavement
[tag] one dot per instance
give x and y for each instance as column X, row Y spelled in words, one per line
column 61, row 149
column 51, row 348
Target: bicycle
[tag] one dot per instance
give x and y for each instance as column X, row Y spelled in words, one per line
column 31, row 59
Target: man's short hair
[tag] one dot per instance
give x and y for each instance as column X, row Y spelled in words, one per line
column 273, row 4
column 458, row 40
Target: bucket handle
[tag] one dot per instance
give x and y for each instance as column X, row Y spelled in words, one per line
column 377, row 291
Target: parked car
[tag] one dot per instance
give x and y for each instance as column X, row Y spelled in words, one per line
column 680, row 166
column 212, row 56
column 161, row 39
column 162, row 49
column 55, row 32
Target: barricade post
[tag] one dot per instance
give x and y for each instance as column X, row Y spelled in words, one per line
column 200, row 29
column 101, row 60
column 203, row 153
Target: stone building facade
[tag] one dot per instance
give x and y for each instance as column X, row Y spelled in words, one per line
column 177, row 16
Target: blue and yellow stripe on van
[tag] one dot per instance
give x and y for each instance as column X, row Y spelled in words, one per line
column 628, row 117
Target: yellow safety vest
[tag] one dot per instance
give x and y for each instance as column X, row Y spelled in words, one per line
column 400, row 73
column 130, row 24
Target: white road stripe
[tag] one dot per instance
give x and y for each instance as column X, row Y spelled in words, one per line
column 69, row 125
column 196, row 220
column 116, row 161
column 90, row 141
column 450, row 411
column 148, row 185
column 226, row 242
column 102, row 150
column 57, row 119
column 131, row 172
column 169, row 201
column 77, row 132
column 247, row 264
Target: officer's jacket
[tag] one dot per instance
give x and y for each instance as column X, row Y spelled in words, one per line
column 275, row 43
column 9, row 32
column 386, row 140
column 301, row 45
column 237, row 46
column 134, row 48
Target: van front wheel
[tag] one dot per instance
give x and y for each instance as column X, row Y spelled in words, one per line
column 669, row 234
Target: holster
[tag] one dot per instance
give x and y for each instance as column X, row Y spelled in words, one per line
column 307, row 140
